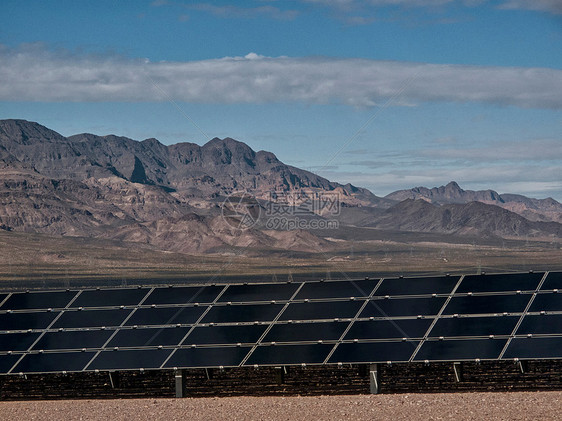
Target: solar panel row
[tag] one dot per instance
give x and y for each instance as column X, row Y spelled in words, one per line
column 362, row 321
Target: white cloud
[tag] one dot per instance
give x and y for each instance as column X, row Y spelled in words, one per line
column 550, row 6
column 32, row 73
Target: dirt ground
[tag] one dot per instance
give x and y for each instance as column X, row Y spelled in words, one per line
column 457, row 406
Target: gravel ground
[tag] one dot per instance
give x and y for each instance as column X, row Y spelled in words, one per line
column 458, row 406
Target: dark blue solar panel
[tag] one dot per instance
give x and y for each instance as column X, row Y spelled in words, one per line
column 258, row 292
column 294, row 332
column 148, row 337
column 129, row 359
column 289, row 354
column 373, row 352
column 208, row 357
column 501, row 282
column 7, row 362
column 184, row 295
column 487, row 304
column 50, row 362
column 542, row 324
column 17, row 341
column 415, row 286
column 552, row 281
column 225, row 334
column 91, row 318
column 24, row 321
column 165, row 315
column 242, row 313
column 336, row 289
column 474, row 326
column 110, row 297
column 77, row 339
column 388, row 329
column 459, row 349
column 38, row 300
column 547, row 302
column 396, row 307
column 550, row 347
column 322, row 310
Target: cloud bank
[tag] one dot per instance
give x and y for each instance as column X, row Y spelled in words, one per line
column 33, row 73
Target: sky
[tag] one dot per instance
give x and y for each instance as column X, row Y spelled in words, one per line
column 384, row 94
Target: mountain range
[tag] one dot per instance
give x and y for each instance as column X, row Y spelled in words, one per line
column 171, row 197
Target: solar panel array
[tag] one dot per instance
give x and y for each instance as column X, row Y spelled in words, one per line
column 448, row 318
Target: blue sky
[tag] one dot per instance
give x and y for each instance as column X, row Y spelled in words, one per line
column 385, row 94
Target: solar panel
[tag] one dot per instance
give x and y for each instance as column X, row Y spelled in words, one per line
column 474, row 326
column 501, row 282
column 336, row 289
column 359, row 321
column 460, row 349
column 7, row 362
column 289, row 354
column 395, row 307
column 547, row 302
column 369, row 352
column 38, row 300
column 487, row 304
column 148, row 337
column 110, row 297
column 545, row 347
column 294, row 332
column 208, row 357
column 183, row 295
column 552, row 281
column 74, row 339
column 417, row 286
column 258, row 292
column 129, row 359
column 212, row 335
column 91, row 318
column 388, row 329
column 322, row 310
column 541, row 324
column 53, row 362
column 17, row 341
column 165, row 315
column 242, row 313
column 24, row 321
